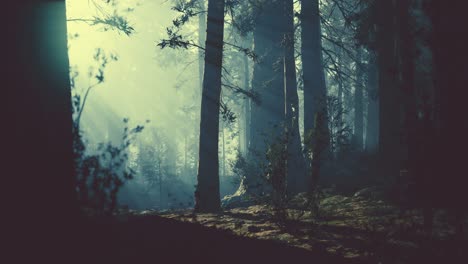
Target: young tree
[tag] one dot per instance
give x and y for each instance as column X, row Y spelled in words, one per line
column 207, row 196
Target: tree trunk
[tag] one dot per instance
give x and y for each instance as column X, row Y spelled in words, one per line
column 358, row 103
column 247, row 102
column 296, row 165
column 267, row 117
column 451, row 78
column 389, row 104
column 207, row 196
column 315, row 91
column 372, row 128
column 201, row 40
column 38, row 140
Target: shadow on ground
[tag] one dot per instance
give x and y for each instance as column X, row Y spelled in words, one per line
column 153, row 238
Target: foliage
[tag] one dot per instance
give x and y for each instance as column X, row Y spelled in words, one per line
column 246, row 171
column 101, row 175
column 79, row 95
column 340, row 131
column 108, row 21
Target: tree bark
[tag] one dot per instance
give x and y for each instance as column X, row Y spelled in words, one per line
column 389, row 104
column 247, row 103
column 372, row 128
column 296, row 165
column 207, row 196
column 201, row 40
column 38, row 139
column 315, row 91
column 267, row 117
column 358, row 103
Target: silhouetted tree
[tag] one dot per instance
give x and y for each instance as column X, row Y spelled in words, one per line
column 39, row 135
column 207, row 196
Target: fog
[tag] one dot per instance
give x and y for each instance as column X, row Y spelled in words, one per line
column 144, row 83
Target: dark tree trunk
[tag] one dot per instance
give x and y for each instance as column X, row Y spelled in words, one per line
column 389, row 104
column 315, row 91
column 267, row 117
column 451, row 79
column 207, row 196
column 38, row 140
column 296, row 165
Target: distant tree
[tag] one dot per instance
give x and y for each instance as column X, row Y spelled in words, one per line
column 358, row 101
column 372, row 123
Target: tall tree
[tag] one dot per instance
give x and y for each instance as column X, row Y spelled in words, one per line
column 450, row 80
column 39, row 118
column 315, row 92
column 389, row 104
column 296, row 165
column 207, row 196
column 267, row 117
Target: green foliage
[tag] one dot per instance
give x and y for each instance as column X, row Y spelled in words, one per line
column 340, row 131
column 102, row 174
column 99, row 175
column 108, row 21
column 187, row 9
column 114, row 22
column 175, row 40
column 247, row 171
column 79, row 95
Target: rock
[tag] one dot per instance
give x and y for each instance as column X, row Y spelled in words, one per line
column 239, row 199
column 299, row 201
column 373, row 192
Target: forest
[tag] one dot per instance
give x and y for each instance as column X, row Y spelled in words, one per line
column 219, row 131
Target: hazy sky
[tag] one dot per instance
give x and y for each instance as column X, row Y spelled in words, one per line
column 142, row 83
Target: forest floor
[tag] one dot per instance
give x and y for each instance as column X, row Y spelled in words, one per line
column 352, row 228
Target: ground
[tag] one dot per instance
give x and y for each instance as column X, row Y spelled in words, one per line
column 355, row 229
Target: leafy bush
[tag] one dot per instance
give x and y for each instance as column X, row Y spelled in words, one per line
column 100, row 176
